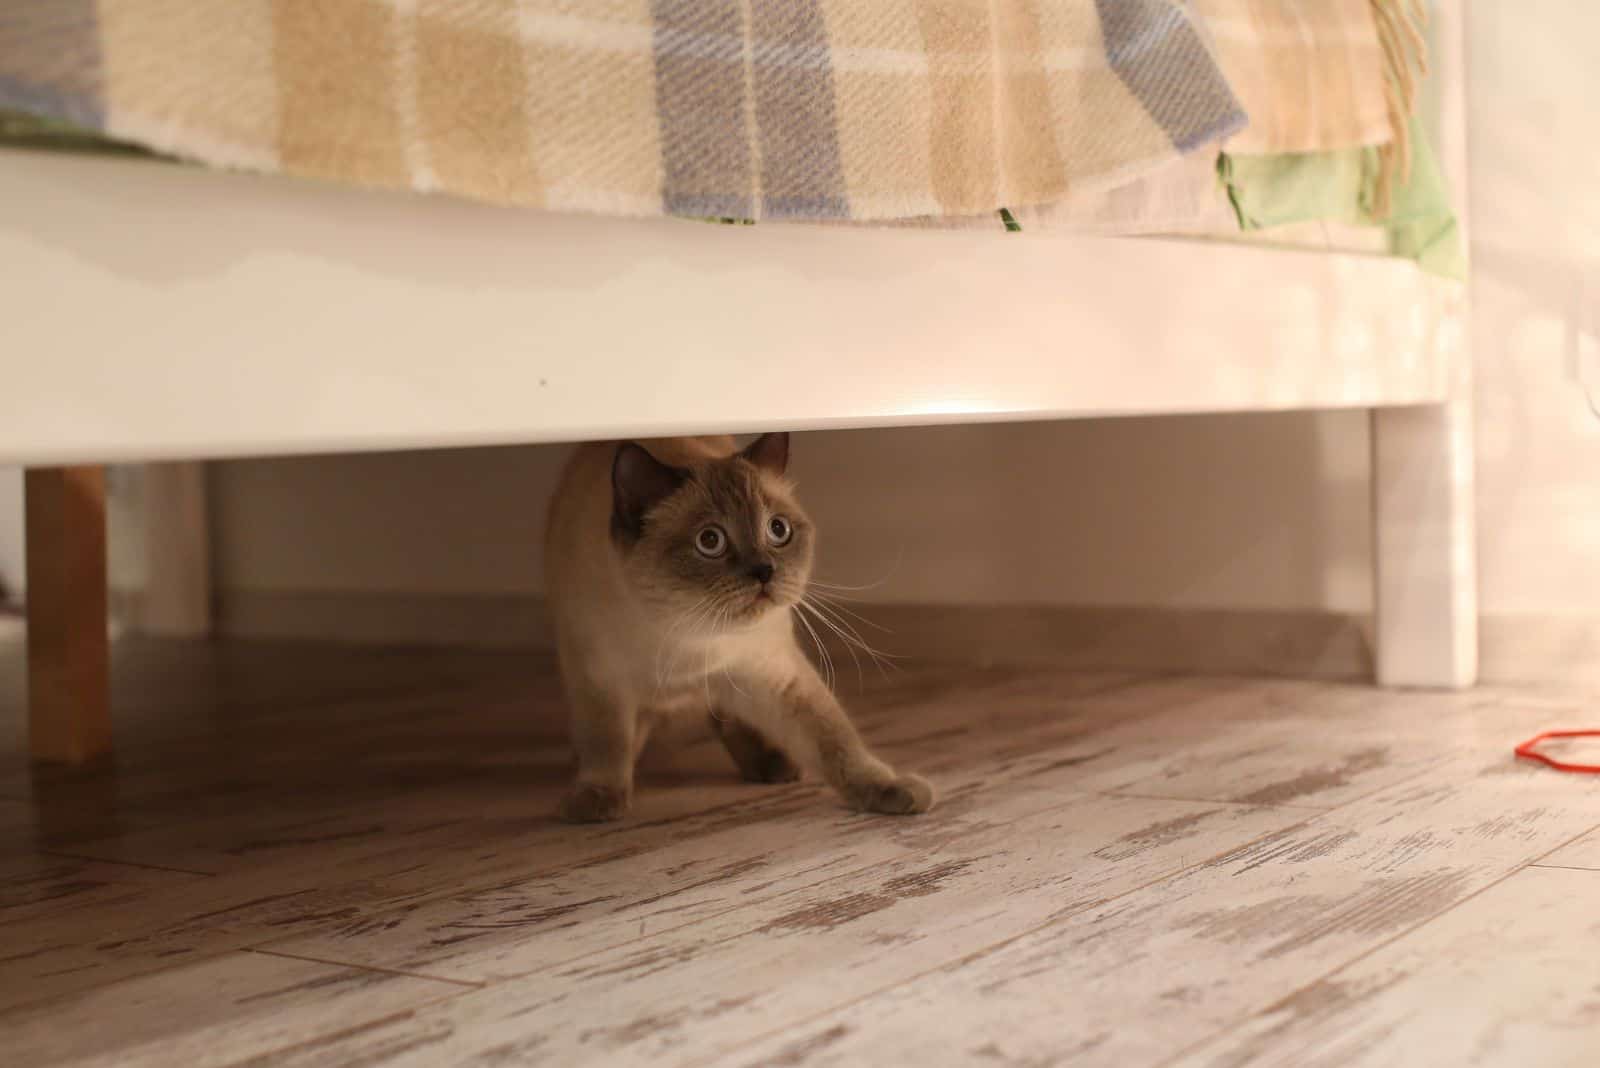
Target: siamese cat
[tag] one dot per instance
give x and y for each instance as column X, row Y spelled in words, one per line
column 674, row 567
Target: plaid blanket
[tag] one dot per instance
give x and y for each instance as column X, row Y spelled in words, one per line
column 1311, row 73
column 788, row 109
column 1320, row 77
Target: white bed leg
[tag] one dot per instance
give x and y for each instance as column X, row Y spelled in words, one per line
column 1425, row 588
column 177, row 594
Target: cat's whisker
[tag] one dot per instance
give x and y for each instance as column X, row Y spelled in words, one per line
column 833, row 602
column 848, row 645
column 833, row 668
column 661, row 645
column 846, row 589
column 887, row 575
column 700, row 624
column 880, row 658
column 852, row 640
column 852, row 637
column 822, row 651
column 689, row 622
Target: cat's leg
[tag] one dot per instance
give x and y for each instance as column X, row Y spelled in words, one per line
column 605, row 739
column 758, row 760
column 796, row 710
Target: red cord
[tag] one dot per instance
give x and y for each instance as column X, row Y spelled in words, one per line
column 1527, row 751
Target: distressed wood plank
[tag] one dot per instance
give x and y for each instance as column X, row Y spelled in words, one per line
column 35, row 887
column 415, row 833
column 290, row 858
column 438, row 755
column 1241, row 745
column 567, row 913
column 1314, row 745
column 300, row 859
column 1140, row 979
column 667, row 856
column 292, row 866
column 420, row 817
column 223, row 1011
column 1584, row 853
column 482, row 821
column 735, row 976
column 1506, row 978
column 579, row 881
column 301, row 880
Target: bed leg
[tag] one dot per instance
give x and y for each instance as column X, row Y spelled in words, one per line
column 177, row 582
column 1425, row 589
column 69, row 664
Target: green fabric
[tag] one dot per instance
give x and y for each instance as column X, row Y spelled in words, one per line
column 29, row 131
column 1276, row 190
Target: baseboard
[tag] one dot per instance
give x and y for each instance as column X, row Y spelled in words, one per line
column 1521, row 649
column 1295, row 644
column 1312, row 645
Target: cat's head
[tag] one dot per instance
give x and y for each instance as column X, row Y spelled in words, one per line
column 717, row 545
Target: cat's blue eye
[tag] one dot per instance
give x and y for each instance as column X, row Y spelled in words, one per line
column 779, row 530
column 711, row 542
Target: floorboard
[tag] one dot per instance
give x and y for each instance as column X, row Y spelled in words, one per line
column 1583, row 853
column 1212, row 944
column 229, row 1009
column 314, row 855
column 1507, row 978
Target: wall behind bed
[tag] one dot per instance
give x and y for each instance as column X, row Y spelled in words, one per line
column 1535, row 166
column 1250, row 520
column 1223, row 542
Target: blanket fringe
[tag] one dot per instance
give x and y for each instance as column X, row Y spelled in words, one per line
column 1400, row 26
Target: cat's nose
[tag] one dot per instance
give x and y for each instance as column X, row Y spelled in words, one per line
column 761, row 572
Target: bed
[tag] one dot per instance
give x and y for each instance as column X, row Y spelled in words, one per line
column 169, row 314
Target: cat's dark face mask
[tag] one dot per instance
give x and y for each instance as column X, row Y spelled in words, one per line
column 718, row 546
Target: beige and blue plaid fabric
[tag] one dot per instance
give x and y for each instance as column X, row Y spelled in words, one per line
column 1309, row 72
column 786, row 109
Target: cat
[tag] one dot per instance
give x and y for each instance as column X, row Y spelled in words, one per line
column 673, row 567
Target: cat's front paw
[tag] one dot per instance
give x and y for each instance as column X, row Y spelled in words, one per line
column 902, row 796
column 593, row 803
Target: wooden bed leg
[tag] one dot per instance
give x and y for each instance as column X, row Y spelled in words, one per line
column 69, row 664
column 1425, row 590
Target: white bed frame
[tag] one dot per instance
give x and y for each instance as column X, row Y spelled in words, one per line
column 154, row 312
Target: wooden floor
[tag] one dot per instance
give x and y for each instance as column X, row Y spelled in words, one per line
column 314, row 856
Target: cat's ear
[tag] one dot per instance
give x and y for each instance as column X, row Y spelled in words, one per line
column 638, row 483
column 770, row 452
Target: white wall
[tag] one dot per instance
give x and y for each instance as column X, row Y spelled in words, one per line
column 1239, row 512
column 1254, row 512
column 465, row 521
column 12, row 561
column 1535, row 179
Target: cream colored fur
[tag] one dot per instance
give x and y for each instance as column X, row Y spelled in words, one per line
column 650, row 632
